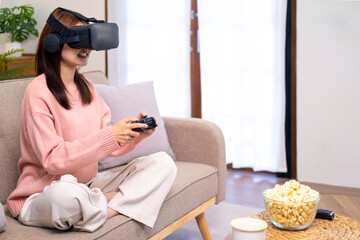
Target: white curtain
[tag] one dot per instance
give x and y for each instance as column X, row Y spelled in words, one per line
column 154, row 46
column 242, row 57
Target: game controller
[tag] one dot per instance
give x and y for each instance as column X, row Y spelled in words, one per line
column 150, row 121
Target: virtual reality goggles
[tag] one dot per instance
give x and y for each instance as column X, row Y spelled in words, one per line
column 96, row 36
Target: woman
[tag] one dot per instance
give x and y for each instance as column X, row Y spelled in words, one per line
column 65, row 132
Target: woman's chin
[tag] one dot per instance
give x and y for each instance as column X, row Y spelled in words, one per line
column 83, row 62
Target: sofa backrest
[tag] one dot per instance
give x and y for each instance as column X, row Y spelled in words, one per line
column 96, row 77
column 11, row 95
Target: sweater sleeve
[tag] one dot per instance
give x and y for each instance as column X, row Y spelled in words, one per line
column 58, row 156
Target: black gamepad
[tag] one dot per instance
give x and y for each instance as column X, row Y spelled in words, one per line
column 150, row 121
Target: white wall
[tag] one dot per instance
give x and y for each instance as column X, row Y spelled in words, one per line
column 328, row 92
column 89, row 8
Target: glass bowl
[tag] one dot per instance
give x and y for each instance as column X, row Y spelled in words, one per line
column 291, row 215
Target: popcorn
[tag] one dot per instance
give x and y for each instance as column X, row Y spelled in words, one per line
column 291, row 204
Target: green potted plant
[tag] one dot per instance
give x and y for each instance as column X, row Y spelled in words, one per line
column 17, row 22
column 13, row 73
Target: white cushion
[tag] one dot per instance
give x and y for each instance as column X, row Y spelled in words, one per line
column 129, row 101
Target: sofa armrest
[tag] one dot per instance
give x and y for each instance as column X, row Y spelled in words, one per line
column 198, row 140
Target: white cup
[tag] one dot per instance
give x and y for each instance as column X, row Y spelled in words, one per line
column 248, row 228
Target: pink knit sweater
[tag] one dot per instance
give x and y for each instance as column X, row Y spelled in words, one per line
column 55, row 141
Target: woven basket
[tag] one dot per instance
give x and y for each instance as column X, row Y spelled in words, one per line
column 340, row 228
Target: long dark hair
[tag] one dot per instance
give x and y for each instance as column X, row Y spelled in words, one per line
column 49, row 63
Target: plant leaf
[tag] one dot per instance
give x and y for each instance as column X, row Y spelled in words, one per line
column 4, row 13
column 15, row 72
column 27, row 10
column 21, row 35
column 10, row 52
column 4, row 57
column 34, row 32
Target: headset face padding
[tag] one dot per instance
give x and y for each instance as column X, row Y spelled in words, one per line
column 52, row 43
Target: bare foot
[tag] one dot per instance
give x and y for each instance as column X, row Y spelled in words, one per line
column 111, row 212
column 109, row 196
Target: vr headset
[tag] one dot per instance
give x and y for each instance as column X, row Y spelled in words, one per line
column 96, row 36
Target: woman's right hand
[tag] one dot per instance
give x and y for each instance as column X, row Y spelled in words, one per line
column 123, row 132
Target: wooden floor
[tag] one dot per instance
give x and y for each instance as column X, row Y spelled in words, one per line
column 246, row 188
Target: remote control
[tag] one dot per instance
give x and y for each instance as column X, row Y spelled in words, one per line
column 325, row 214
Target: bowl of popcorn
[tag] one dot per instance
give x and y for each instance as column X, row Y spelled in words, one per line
column 291, row 206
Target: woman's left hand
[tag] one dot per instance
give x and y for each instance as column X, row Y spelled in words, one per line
column 147, row 132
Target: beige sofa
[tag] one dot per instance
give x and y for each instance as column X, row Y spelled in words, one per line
column 200, row 158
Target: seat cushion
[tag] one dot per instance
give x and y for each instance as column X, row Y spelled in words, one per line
column 195, row 183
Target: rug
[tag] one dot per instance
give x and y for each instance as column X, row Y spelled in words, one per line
column 218, row 218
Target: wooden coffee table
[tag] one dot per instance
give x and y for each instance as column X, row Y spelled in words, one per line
column 347, row 205
column 346, row 224
column 245, row 188
column 341, row 227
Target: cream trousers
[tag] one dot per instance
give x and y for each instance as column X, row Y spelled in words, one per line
column 142, row 185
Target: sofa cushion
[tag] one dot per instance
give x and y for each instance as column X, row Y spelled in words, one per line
column 2, row 219
column 195, row 183
column 96, row 77
column 11, row 95
column 128, row 101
